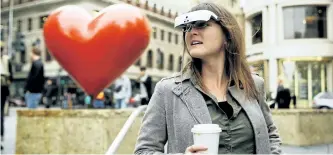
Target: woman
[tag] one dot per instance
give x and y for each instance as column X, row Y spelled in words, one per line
column 215, row 87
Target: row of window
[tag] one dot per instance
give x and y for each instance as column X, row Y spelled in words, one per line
column 171, row 37
column 160, row 61
column 299, row 22
column 30, row 27
column 5, row 3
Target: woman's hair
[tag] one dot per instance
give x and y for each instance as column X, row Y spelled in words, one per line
column 235, row 65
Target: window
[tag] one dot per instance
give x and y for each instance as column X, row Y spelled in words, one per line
column 233, row 2
column 154, row 32
column 138, row 62
column 160, row 59
column 305, row 22
column 19, row 25
column 4, row 3
column 176, row 38
column 327, row 95
column 256, row 25
column 169, row 37
column 258, row 68
column 42, row 20
column 170, row 67
column 188, row 60
column 48, row 56
column 17, row 1
column 2, row 35
column 162, row 35
column 179, row 63
column 29, row 24
column 150, row 59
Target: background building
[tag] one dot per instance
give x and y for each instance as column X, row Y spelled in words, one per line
column 162, row 57
column 234, row 6
column 292, row 39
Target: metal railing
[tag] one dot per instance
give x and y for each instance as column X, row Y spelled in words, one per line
column 120, row 137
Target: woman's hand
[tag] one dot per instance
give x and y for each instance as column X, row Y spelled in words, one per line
column 195, row 149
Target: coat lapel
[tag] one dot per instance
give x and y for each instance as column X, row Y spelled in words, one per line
column 192, row 98
column 246, row 104
column 255, row 116
column 194, row 102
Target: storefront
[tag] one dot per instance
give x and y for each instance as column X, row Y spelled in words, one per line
column 291, row 40
column 261, row 68
column 306, row 77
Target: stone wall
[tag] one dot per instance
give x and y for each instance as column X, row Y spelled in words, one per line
column 92, row 131
column 304, row 127
column 72, row 131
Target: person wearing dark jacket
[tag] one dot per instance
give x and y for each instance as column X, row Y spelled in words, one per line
column 283, row 96
column 6, row 79
column 35, row 81
column 50, row 92
column 145, row 86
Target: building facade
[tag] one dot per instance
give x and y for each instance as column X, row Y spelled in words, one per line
column 162, row 57
column 233, row 6
column 291, row 40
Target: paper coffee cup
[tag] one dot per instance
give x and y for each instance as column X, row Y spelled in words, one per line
column 207, row 135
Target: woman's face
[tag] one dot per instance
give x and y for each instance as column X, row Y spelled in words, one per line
column 205, row 42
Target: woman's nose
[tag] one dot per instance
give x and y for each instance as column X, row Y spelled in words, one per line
column 194, row 31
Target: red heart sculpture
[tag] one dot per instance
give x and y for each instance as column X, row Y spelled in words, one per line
column 95, row 51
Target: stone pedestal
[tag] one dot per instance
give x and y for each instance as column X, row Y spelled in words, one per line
column 304, row 127
column 73, row 131
column 92, row 131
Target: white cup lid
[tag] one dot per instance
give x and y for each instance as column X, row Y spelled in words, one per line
column 206, row 128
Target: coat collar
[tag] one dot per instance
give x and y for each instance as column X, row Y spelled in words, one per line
column 188, row 74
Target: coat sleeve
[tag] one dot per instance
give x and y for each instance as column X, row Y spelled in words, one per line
column 153, row 132
column 274, row 137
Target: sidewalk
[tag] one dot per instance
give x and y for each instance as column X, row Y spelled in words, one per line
column 318, row 149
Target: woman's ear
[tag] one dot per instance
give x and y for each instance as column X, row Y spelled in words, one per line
column 225, row 45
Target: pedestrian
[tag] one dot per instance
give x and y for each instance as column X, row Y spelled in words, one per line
column 99, row 101
column 6, row 79
column 50, row 93
column 122, row 91
column 35, row 80
column 145, row 82
column 283, row 96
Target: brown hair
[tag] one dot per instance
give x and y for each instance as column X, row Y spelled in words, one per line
column 235, row 65
column 36, row 51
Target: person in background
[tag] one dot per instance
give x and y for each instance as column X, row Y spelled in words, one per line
column 50, row 93
column 283, row 96
column 122, row 91
column 35, row 80
column 6, row 79
column 145, row 82
column 87, row 100
column 99, row 101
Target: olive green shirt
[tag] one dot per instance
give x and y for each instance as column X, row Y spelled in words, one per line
column 237, row 136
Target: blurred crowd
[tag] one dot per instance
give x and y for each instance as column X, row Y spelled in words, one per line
column 50, row 92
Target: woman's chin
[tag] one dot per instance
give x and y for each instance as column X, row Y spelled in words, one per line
column 197, row 54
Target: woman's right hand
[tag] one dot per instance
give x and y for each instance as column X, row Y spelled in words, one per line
column 195, row 149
